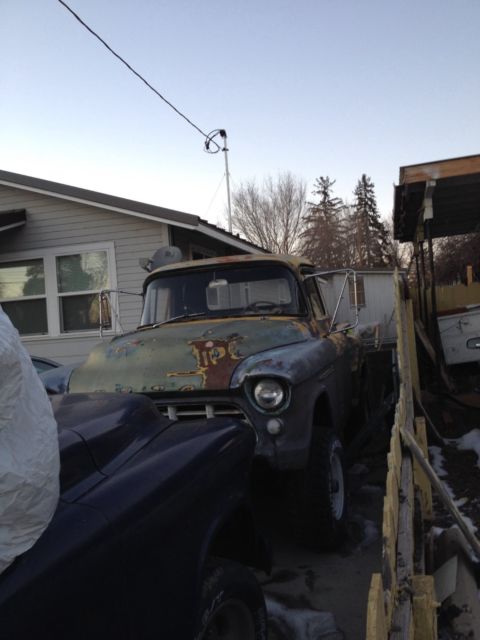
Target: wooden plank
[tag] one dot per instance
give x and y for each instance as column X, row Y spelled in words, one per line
column 424, row 608
column 440, row 169
column 376, row 621
column 419, row 475
column 402, row 620
column 405, row 542
column 412, row 347
column 437, row 484
column 389, row 553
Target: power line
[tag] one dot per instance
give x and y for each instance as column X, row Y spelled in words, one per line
column 139, row 76
column 214, row 196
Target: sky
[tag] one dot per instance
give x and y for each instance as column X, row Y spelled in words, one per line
column 313, row 87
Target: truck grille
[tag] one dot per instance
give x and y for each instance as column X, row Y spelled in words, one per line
column 192, row 411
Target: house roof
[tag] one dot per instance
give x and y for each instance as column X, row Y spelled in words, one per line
column 452, row 186
column 12, row 219
column 125, row 206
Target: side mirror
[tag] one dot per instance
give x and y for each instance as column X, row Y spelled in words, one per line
column 349, row 274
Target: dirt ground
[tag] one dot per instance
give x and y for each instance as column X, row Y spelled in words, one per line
column 324, row 595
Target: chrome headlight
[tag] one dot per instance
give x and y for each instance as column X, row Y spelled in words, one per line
column 269, row 394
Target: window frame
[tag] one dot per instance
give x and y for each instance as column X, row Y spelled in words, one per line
column 360, row 291
column 49, row 256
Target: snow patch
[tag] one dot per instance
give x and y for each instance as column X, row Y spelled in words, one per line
column 302, row 624
column 438, row 461
column 470, row 441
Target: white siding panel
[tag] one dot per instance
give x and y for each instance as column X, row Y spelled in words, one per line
column 52, row 222
column 379, row 302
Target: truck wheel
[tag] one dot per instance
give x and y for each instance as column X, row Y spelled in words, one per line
column 232, row 606
column 318, row 495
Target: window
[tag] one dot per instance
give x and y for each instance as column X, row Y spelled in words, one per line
column 315, row 299
column 57, row 293
column 80, row 278
column 360, row 291
column 200, row 253
column 22, row 294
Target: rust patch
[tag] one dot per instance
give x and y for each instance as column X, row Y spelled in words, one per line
column 216, row 360
column 339, row 341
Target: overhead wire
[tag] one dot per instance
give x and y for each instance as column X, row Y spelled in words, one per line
column 214, row 196
column 208, row 138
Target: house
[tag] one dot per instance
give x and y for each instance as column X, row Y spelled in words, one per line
column 61, row 245
column 375, row 302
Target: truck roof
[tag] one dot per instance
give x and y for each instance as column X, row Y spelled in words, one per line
column 293, row 261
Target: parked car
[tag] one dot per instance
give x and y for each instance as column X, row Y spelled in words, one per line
column 43, row 364
column 248, row 336
column 151, row 535
column 56, row 380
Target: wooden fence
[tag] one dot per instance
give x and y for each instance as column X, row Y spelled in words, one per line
column 401, row 601
column 451, row 297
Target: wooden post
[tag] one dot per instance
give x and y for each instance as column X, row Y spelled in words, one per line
column 424, row 608
column 376, row 623
column 419, row 475
column 412, row 348
column 469, row 275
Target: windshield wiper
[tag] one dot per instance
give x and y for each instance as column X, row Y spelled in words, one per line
column 183, row 316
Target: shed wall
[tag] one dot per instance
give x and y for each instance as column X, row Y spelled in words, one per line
column 379, row 302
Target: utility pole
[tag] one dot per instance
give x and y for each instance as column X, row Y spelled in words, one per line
column 223, row 134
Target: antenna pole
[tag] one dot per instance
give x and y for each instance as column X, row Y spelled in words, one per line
column 223, row 134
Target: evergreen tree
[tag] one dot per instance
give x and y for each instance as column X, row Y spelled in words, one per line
column 370, row 234
column 324, row 239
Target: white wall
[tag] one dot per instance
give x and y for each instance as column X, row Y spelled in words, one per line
column 379, row 301
column 53, row 222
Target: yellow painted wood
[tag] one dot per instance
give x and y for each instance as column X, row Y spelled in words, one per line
column 392, row 494
column 469, row 275
column 419, row 475
column 424, row 608
column 376, row 620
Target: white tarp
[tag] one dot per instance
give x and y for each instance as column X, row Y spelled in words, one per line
column 29, row 459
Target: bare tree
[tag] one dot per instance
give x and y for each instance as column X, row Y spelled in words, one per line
column 453, row 254
column 400, row 254
column 271, row 215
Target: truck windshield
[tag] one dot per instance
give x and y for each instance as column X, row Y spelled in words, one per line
column 221, row 292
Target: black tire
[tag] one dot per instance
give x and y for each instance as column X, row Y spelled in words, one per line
column 232, row 606
column 318, row 494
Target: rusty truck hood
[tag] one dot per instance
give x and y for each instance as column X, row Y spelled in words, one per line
column 184, row 356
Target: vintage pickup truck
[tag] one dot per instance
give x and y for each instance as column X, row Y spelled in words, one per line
column 151, row 534
column 247, row 337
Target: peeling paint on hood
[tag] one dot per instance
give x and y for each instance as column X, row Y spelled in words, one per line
column 183, row 356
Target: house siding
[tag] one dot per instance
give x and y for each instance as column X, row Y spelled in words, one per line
column 54, row 223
